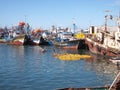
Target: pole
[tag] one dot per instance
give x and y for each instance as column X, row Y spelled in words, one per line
column 74, row 27
column 106, row 22
column 106, row 18
column 114, row 81
column 25, row 18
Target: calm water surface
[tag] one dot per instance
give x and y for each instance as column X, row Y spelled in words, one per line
column 27, row 68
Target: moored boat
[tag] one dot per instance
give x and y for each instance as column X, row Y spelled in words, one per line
column 20, row 35
column 3, row 40
column 67, row 40
column 18, row 40
column 103, row 41
column 40, row 41
column 98, row 48
column 2, row 36
column 73, row 44
column 38, row 37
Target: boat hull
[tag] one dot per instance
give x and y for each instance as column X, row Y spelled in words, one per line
column 28, row 40
column 18, row 40
column 3, row 40
column 101, row 49
column 74, row 44
column 94, row 88
column 41, row 41
column 21, row 40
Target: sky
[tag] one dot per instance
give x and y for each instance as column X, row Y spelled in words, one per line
column 61, row 13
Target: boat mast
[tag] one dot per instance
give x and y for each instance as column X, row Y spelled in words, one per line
column 106, row 23
column 74, row 26
column 27, row 26
column 25, row 18
column 118, row 21
column 106, row 19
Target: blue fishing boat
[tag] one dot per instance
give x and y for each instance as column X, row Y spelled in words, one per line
column 66, row 40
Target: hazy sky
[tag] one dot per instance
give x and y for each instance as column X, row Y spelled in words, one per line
column 45, row 13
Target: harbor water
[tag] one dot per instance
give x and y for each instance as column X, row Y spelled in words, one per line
column 27, row 68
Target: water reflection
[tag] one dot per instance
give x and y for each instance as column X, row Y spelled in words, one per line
column 102, row 67
column 26, row 68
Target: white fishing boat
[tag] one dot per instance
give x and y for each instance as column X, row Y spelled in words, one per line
column 104, row 40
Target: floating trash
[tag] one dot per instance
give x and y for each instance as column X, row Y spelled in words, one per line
column 71, row 56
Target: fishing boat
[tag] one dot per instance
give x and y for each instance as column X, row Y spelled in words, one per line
column 66, row 40
column 73, row 44
column 3, row 40
column 18, row 40
column 40, row 41
column 2, row 36
column 104, row 40
column 39, row 37
column 20, row 35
